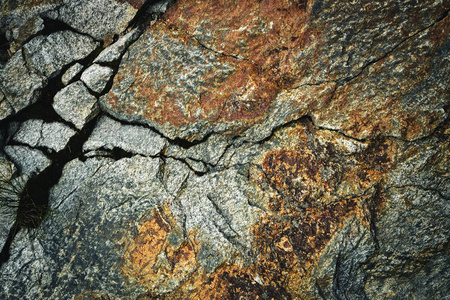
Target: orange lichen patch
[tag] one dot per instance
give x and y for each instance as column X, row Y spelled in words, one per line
column 285, row 253
column 309, row 208
column 303, row 214
column 152, row 260
column 303, row 169
column 296, row 174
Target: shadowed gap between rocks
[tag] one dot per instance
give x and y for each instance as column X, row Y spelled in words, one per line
column 33, row 198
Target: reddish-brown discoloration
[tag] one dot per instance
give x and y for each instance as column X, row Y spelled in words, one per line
column 307, row 210
column 269, row 35
column 257, row 53
column 134, row 3
column 266, row 34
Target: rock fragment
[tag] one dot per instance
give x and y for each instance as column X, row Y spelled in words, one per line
column 71, row 73
column 114, row 51
column 96, row 77
column 75, row 104
column 19, row 85
column 97, row 18
column 29, row 161
column 109, row 134
column 48, row 54
column 53, row 135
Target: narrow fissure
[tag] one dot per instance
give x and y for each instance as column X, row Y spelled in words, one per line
column 4, row 48
column 33, row 198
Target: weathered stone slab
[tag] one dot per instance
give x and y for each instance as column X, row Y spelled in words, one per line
column 97, row 18
column 75, row 104
column 19, row 86
column 96, row 77
column 29, row 161
column 109, row 134
column 48, row 54
column 171, row 82
column 35, row 132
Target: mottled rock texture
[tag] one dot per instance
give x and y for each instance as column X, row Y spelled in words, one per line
column 227, row 149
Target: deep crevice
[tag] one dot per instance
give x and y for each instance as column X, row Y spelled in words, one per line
column 33, row 199
column 183, row 143
column 115, row 153
column 282, row 126
column 43, row 108
column 4, row 48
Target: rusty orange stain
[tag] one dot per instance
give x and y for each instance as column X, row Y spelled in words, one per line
column 151, row 260
column 259, row 61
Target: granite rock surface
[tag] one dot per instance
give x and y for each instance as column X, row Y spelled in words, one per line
column 216, row 150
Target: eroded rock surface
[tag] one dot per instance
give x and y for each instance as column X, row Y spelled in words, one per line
column 254, row 150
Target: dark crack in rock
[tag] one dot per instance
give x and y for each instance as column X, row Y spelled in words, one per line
column 246, row 150
column 109, row 134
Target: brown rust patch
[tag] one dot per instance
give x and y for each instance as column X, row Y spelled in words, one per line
column 267, row 35
column 183, row 77
column 230, row 282
column 134, row 3
column 303, row 215
column 179, row 82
